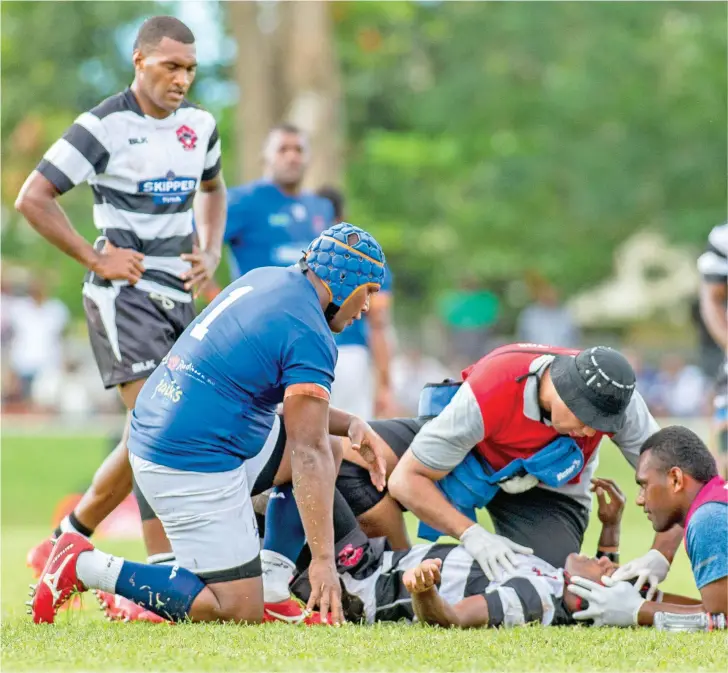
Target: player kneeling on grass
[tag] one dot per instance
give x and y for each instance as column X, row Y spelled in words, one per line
column 205, row 428
column 679, row 485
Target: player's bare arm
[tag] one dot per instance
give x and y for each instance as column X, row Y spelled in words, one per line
column 38, row 203
column 413, row 485
column 431, row 608
column 210, row 211
column 713, row 300
column 314, row 474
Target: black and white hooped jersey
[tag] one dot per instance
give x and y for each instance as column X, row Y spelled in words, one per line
column 713, row 263
column 533, row 594
column 144, row 173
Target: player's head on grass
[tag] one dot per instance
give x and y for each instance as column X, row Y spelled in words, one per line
column 165, row 63
column 581, row 565
column 286, row 154
column 674, row 464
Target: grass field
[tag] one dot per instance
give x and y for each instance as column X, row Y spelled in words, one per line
column 37, row 472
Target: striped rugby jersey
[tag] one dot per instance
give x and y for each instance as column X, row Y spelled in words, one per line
column 713, row 263
column 533, row 594
column 144, row 173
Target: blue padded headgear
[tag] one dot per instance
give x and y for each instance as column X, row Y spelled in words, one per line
column 345, row 257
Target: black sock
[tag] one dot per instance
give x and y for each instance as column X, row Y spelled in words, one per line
column 344, row 523
column 77, row 525
column 344, row 519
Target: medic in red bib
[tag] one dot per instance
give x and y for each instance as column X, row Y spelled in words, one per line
column 513, row 403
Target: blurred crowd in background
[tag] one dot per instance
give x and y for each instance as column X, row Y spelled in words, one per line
column 48, row 368
column 523, row 186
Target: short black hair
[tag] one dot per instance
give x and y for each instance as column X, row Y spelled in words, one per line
column 154, row 30
column 336, row 196
column 678, row 446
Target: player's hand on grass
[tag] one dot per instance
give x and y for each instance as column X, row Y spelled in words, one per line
column 615, row 605
column 372, row 449
column 114, row 263
column 494, row 553
column 203, row 269
column 652, row 568
column 423, row 577
column 325, row 590
column 610, row 510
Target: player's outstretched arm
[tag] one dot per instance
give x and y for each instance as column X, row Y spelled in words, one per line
column 431, row 608
column 610, row 501
column 413, row 485
column 364, row 441
column 306, row 418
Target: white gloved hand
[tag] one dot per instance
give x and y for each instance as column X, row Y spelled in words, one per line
column 616, row 605
column 652, row 568
column 518, row 484
column 493, row 552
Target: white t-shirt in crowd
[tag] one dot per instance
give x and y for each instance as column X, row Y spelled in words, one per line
column 36, row 338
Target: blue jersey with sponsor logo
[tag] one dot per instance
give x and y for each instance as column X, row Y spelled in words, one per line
column 210, row 404
column 357, row 334
column 266, row 227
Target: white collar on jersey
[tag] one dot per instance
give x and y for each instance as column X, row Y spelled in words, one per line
column 531, row 408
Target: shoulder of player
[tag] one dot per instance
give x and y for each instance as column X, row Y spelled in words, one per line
column 495, row 372
column 248, row 192
column 190, row 108
column 123, row 101
column 314, row 200
column 707, row 520
column 202, row 121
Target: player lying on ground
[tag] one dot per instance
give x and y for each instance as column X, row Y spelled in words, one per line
column 516, row 402
column 205, row 427
column 378, row 582
column 521, row 402
column 679, row 485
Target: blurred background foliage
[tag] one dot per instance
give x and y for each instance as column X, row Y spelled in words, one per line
column 479, row 141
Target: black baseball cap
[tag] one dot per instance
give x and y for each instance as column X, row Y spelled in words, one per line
column 596, row 385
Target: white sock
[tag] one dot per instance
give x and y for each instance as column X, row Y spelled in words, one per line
column 98, row 570
column 68, row 527
column 277, row 573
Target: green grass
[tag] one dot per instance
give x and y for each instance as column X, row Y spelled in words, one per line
column 36, row 473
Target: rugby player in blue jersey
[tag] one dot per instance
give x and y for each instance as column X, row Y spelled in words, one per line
column 204, row 432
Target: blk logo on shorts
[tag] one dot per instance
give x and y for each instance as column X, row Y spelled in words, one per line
column 187, row 137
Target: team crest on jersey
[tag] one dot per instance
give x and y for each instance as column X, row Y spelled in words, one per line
column 187, row 137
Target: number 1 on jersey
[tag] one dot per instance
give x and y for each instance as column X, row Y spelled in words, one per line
column 203, row 327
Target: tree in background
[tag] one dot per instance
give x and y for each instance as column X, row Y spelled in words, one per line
column 482, row 139
column 286, row 69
